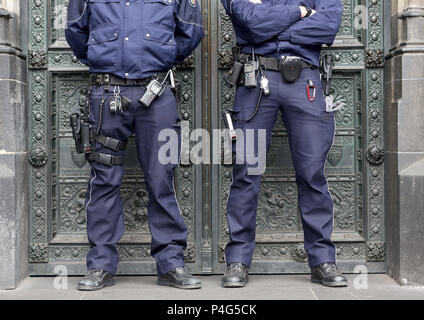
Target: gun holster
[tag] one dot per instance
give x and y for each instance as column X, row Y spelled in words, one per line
column 85, row 138
column 81, row 133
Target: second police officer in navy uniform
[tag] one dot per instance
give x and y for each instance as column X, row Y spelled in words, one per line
column 280, row 43
column 130, row 47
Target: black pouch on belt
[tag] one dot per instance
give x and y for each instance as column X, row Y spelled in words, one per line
column 291, row 69
column 235, row 73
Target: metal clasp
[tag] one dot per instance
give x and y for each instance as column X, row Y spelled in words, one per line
column 312, row 97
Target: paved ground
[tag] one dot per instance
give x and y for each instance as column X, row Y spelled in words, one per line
column 281, row 287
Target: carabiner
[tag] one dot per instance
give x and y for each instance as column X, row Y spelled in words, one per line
column 312, row 97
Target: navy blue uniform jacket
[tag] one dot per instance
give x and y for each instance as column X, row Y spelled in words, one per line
column 133, row 38
column 275, row 27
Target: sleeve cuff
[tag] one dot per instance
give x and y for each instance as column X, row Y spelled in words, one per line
column 295, row 13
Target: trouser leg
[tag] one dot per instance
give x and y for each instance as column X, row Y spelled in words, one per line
column 105, row 219
column 311, row 133
column 245, row 187
column 167, row 226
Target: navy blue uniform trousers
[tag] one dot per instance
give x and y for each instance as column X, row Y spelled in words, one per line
column 105, row 217
column 311, row 133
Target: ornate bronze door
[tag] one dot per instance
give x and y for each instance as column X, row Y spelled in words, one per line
column 59, row 177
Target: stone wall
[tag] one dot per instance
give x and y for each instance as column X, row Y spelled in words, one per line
column 13, row 150
column 404, row 133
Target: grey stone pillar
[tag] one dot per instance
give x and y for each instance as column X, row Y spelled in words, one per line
column 404, row 133
column 13, row 152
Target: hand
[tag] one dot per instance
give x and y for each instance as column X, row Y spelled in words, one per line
column 304, row 11
column 256, row 1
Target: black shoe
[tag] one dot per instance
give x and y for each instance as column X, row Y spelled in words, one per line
column 96, row 279
column 179, row 278
column 328, row 275
column 236, row 276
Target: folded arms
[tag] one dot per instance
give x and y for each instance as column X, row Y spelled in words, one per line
column 263, row 21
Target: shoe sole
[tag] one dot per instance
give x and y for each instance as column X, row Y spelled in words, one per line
column 167, row 283
column 110, row 283
column 329, row 284
column 234, row 284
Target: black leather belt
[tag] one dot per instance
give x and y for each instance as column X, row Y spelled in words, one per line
column 274, row 64
column 104, row 79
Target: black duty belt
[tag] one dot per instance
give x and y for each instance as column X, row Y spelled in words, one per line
column 104, row 79
column 274, row 64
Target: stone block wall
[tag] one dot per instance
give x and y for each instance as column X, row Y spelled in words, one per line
column 13, row 152
column 404, row 142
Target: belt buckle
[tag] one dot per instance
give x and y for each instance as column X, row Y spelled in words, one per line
column 289, row 58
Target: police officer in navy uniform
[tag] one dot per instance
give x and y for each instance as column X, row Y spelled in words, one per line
column 128, row 45
column 285, row 38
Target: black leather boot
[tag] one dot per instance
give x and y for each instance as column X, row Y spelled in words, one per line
column 179, row 278
column 328, row 275
column 96, row 279
column 236, row 276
